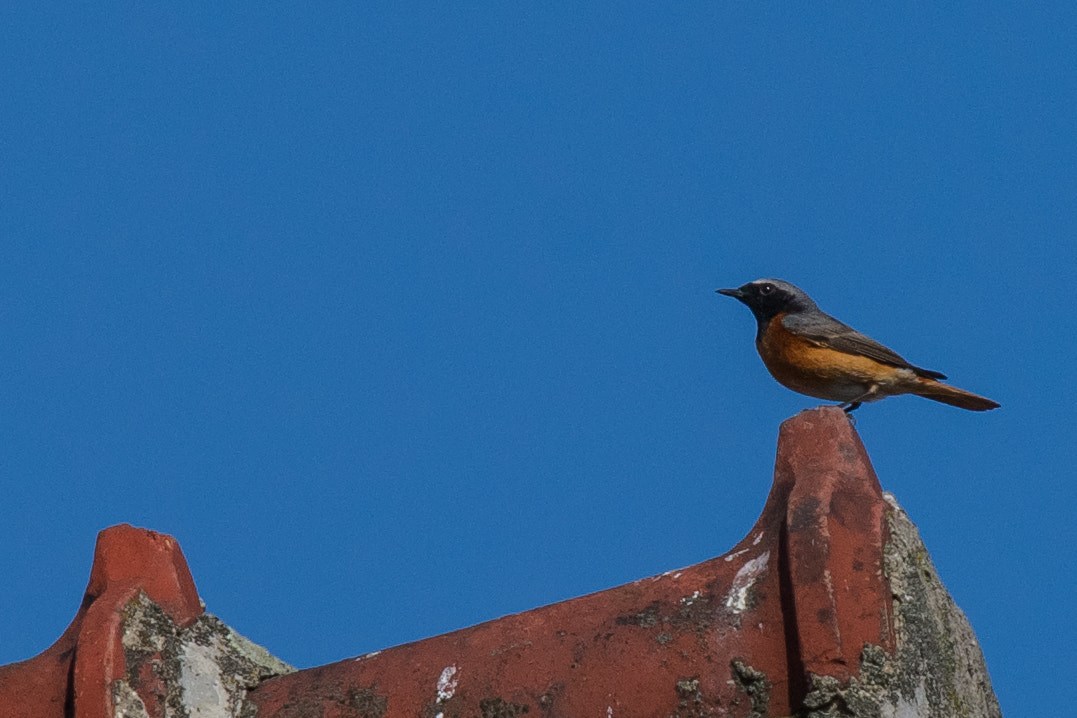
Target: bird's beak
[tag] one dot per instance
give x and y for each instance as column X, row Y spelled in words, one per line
column 735, row 293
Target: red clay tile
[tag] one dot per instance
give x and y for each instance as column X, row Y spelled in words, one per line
column 801, row 594
column 803, row 591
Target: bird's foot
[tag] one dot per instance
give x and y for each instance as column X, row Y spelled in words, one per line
column 849, row 407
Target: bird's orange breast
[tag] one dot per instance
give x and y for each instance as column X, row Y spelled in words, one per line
column 807, row 367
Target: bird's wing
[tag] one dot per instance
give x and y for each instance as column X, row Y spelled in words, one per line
column 827, row 331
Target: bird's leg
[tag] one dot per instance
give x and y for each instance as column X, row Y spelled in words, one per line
column 853, row 405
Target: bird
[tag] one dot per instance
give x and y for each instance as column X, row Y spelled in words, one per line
column 811, row 352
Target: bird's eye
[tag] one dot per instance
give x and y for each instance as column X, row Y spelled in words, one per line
column 766, row 289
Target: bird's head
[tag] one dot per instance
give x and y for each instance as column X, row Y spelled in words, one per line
column 768, row 298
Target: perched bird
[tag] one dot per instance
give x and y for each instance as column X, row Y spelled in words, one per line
column 813, row 353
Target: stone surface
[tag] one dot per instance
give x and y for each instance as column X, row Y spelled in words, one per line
column 202, row 670
column 937, row 670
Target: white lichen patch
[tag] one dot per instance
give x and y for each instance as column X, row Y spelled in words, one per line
column 447, row 683
column 733, row 555
column 672, row 573
column 737, row 598
column 689, row 600
column 204, row 692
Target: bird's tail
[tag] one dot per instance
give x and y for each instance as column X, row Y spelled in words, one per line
column 931, row 389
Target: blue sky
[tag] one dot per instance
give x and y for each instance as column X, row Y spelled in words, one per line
column 404, row 319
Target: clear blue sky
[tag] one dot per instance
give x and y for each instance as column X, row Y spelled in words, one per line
column 402, row 320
